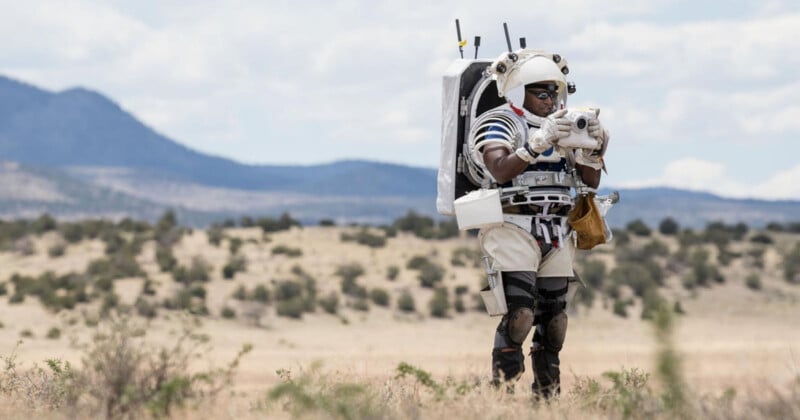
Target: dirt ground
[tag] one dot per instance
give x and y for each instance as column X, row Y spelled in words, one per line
column 729, row 337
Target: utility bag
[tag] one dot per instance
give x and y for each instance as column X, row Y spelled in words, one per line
column 587, row 222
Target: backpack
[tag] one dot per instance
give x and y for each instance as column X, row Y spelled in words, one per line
column 467, row 92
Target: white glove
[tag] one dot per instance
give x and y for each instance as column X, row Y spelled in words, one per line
column 554, row 128
column 598, row 132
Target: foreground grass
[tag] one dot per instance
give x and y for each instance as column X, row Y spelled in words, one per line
column 122, row 376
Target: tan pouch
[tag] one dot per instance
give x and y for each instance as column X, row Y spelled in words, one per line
column 587, row 222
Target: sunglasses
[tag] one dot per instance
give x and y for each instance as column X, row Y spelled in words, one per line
column 542, row 94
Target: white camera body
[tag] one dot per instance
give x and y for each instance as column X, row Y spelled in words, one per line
column 579, row 137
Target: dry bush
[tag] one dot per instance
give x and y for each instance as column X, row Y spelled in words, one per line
column 123, row 376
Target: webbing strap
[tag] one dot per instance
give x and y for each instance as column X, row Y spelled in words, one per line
column 553, row 294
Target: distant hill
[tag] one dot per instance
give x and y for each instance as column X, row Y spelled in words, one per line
column 81, row 155
column 79, row 127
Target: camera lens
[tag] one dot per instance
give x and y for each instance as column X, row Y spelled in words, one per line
column 581, row 123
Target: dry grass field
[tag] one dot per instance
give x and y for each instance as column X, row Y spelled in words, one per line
column 738, row 347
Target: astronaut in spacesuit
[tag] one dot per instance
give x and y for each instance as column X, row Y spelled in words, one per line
column 526, row 151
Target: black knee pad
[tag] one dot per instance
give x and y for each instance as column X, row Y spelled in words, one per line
column 555, row 332
column 518, row 324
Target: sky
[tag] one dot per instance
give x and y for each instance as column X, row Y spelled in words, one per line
column 700, row 95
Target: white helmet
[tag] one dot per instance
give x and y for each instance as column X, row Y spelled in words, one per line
column 524, row 67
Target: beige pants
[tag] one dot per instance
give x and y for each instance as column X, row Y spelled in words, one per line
column 512, row 248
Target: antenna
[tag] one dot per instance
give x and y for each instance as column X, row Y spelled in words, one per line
column 460, row 43
column 508, row 38
column 477, row 44
column 522, row 43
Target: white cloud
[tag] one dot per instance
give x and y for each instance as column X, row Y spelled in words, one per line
column 253, row 80
column 703, row 175
column 687, row 173
column 782, row 185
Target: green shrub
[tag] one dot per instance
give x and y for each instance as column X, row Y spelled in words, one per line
column 349, row 271
column 762, row 238
column 3, row 288
column 240, row 293
column 621, row 238
column 330, row 303
column 430, row 275
column 349, row 286
column 364, row 237
column 261, row 294
column 391, row 272
column 71, row 232
column 463, row 256
column 405, row 302
column 291, row 308
column 361, row 305
column 593, row 273
column 236, row 263
column 284, row 222
column 678, row 308
column 45, row 223
column 285, row 250
column 668, row 226
column 110, row 301
column 655, row 248
column 54, row 333
column 200, row 269
column 753, row 282
column 458, row 304
column 228, row 312
column 197, row 291
column 117, row 266
column 26, row 333
column 145, row 308
column 651, row 302
column 57, row 250
column 417, row 262
column 757, row 255
column 234, row 245
column 288, row 289
column 439, row 304
column 185, row 299
column 638, row 228
column 791, row 265
column 620, row 308
column 165, row 259
column 379, row 297
column 635, row 275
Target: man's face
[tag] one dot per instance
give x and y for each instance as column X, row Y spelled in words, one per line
column 539, row 101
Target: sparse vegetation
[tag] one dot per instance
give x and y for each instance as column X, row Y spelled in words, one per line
column 288, row 251
column 365, row 237
column 122, row 376
column 638, row 273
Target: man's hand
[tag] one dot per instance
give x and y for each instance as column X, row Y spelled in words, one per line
column 554, row 128
column 598, row 132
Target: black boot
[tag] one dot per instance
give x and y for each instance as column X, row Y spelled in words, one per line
column 507, row 366
column 546, row 374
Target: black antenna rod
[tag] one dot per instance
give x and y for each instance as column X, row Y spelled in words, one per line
column 460, row 45
column 508, row 38
column 522, row 43
column 477, row 44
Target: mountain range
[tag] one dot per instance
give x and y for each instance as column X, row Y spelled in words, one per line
column 76, row 153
